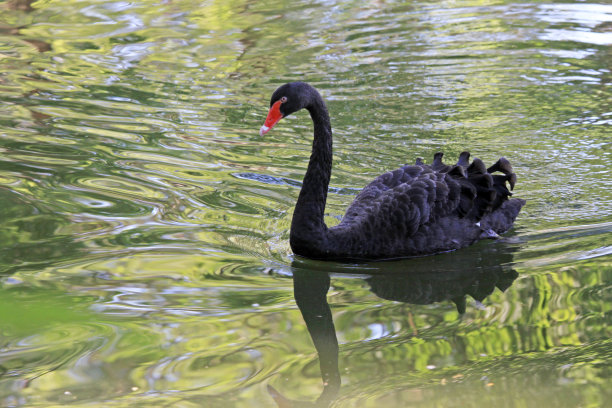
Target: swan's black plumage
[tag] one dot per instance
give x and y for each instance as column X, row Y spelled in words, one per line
column 415, row 210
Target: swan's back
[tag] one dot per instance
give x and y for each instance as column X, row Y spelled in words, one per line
column 424, row 209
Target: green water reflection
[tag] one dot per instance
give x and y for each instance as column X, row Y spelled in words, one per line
column 144, row 256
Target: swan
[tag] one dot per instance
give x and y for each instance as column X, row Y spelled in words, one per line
column 416, row 210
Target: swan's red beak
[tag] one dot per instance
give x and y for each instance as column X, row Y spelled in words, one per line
column 274, row 115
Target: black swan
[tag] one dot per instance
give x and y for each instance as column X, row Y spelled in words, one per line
column 415, row 210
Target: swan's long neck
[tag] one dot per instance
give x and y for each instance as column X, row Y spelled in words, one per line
column 308, row 229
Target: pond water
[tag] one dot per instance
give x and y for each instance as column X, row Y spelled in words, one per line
column 144, row 257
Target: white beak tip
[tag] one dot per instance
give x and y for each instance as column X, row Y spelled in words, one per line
column 264, row 129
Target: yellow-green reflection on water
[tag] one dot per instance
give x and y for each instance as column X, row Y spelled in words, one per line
column 143, row 250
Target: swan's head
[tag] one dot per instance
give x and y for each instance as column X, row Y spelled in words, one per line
column 286, row 100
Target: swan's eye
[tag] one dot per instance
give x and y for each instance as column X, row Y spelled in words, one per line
column 283, row 99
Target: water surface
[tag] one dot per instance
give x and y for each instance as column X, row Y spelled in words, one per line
column 144, row 257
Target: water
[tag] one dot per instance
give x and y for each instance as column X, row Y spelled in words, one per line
column 144, row 256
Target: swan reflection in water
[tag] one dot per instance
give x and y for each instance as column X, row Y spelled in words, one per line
column 475, row 271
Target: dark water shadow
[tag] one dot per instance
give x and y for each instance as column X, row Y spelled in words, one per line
column 475, row 271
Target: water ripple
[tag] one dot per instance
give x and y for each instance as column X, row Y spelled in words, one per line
column 145, row 222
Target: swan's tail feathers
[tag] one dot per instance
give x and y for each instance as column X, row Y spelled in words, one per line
column 419, row 161
column 438, row 159
column 499, row 181
column 466, row 197
column 499, row 185
column 485, row 194
column 457, row 171
column 464, row 159
column 438, row 165
column 477, row 167
column 504, row 210
column 503, row 217
column 504, row 166
column 481, row 191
